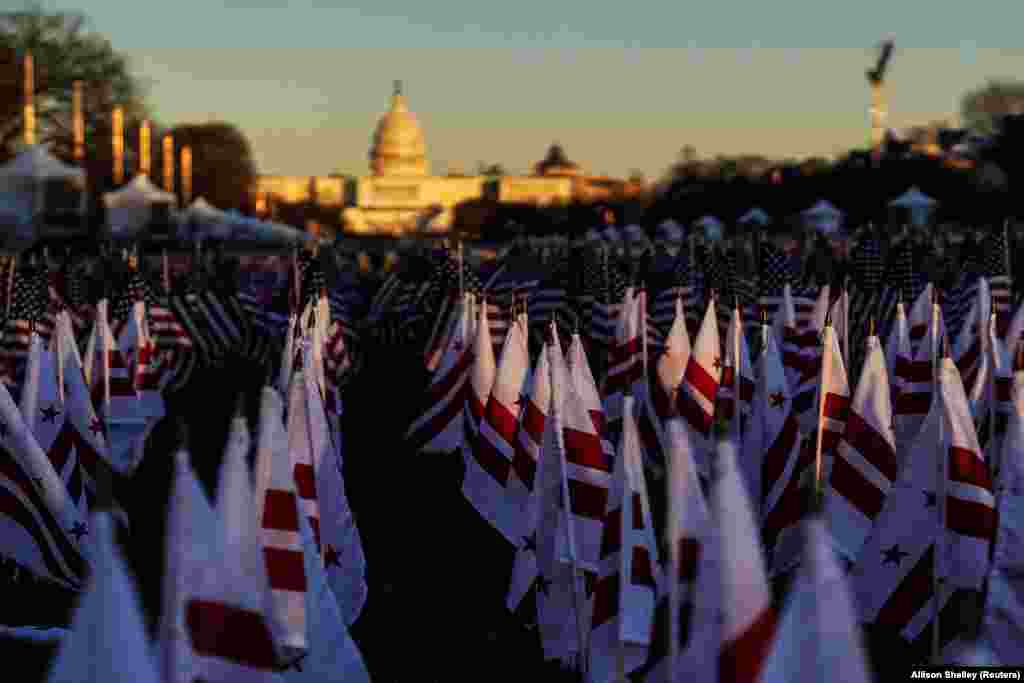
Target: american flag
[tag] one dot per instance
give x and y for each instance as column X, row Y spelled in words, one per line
column 1000, row 280
column 29, row 309
column 435, row 307
column 173, row 346
column 549, row 301
column 866, row 268
column 901, row 279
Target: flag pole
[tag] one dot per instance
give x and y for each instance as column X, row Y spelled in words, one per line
column 737, row 373
column 826, row 367
column 578, row 594
column 940, row 494
column 846, row 320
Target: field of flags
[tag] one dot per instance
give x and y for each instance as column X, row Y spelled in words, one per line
column 708, row 463
column 260, row 583
column 851, row 443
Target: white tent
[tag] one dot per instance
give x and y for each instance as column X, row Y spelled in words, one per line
column 670, row 231
column 919, row 205
column 755, row 217
column 130, row 208
column 913, row 199
column 245, row 229
column 710, row 226
column 205, row 220
column 824, row 217
column 611, row 234
column 22, row 179
column 593, row 235
column 634, row 233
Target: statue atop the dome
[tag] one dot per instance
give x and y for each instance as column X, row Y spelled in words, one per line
column 398, row 88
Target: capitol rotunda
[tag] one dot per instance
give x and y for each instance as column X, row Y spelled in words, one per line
column 400, row 196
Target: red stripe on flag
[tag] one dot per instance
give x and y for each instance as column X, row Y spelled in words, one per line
column 701, row 380
column 69, row 553
column 836, row 407
column 606, row 600
column 851, row 485
column 741, row 659
column 643, row 569
column 967, row 468
column 910, row 596
column 13, row 508
column 437, row 392
column 585, row 450
column 587, row 500
column 490, row 459
column 689, row 554
column 871, row 446
column 305, row 482
column 285, row 569
column 638, row 513
column 501, row 420
column 774, row 463
column 230, row 633
column 695, row 415
column 968, row 518
column 441, row 419
column 792, row 504
column 280, row 511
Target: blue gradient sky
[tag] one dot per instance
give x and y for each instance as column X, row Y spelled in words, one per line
column 622, row 85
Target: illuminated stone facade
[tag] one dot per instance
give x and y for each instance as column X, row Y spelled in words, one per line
column 400, row 196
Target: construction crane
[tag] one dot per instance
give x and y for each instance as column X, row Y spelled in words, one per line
column 879, row 108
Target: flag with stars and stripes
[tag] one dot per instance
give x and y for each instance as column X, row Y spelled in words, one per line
column 41, row 528
column 28, row 311
column 894, row 575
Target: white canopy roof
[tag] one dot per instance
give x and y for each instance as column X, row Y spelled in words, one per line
column 636, row 233
column 202, row 209
column 611, row 234
column 246, row 228
column 824, row 218
column 823, row 210
column 670, row 231
column 913, row 199
column 138, row 193
column 36, row 163
column 755, row 216
column 707, row 222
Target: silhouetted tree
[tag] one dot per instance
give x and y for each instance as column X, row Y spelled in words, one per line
column 983, row 108
column 223, row 170
column 63, row 51
column 491, row 170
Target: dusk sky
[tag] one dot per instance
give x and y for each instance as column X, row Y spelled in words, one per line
column 621, row 85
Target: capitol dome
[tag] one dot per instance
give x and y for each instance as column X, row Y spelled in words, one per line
column 398, row 148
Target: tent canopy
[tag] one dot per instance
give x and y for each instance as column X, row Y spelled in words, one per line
column 200, row 209
column 36, row 163
column 913, row 199
column 755, row 217
column 670, row 231
column 140, row 192
column 708, row 222
column 823, row 210
column 635, row 233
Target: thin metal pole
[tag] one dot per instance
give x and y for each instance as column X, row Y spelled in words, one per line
column 937, row 561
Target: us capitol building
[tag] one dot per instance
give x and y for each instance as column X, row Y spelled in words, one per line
column 401, row 196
